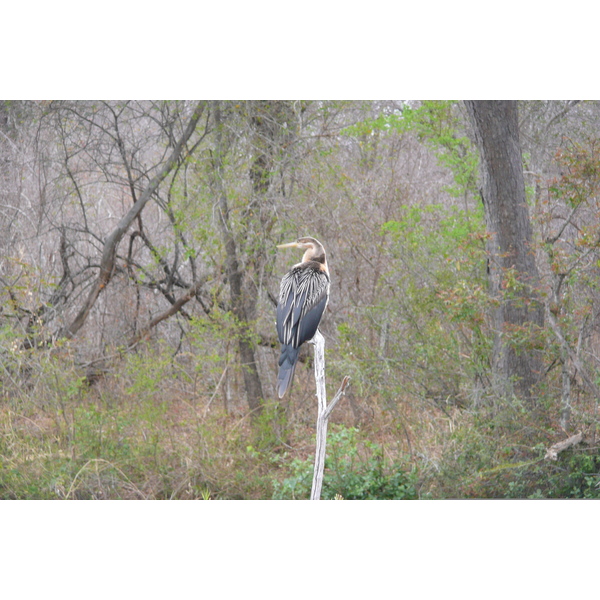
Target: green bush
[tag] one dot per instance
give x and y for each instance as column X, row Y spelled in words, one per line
column 500, row 453
column 576, row 474
column 354, row 470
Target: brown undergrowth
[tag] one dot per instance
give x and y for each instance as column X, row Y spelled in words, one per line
column 145, row 431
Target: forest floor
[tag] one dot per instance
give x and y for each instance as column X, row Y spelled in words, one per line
column 113, row 440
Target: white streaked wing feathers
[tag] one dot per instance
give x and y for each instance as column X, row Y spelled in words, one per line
column 310, row 288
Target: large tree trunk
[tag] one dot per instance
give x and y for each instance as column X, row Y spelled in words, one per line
column 513, row 273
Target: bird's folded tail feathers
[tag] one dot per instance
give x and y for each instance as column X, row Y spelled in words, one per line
column 287, row 366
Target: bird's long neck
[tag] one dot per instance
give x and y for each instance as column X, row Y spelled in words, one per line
column 316, row 254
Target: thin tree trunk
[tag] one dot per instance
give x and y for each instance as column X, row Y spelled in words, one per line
column 242, row 307
column 245, row 249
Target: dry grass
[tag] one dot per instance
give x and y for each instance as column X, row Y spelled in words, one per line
column 147, row 432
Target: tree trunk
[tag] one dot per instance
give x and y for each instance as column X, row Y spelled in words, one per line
column 513, row 273
column 242, row 305
column 266, row 126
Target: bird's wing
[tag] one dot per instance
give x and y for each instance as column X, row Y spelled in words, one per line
column 285, row 308
column 302, row 299
column 309, row 321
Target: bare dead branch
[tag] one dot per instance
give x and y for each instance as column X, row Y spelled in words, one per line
column 323, row 414
column 556, row 449
column 341, row 392
column 112, row 241
column 176, row 307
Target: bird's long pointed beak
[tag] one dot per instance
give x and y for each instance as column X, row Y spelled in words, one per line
column 290, row 245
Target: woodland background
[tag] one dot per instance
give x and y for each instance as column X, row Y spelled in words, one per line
column 139, row 272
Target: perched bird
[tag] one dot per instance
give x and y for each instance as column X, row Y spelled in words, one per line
column 303, row 296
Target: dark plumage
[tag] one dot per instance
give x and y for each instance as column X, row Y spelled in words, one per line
column 303, row 296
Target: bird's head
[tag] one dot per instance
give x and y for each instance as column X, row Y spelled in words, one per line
column 313, row 249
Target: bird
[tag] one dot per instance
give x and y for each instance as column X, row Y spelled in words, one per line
column 303, row 297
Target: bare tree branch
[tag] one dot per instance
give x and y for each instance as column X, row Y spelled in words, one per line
column 553, row 451
column 176, row 307
column 112, row 241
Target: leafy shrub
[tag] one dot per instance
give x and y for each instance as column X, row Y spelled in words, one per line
column 575, row 475
column 354, row 470
column 499, row 452
column 431, row 338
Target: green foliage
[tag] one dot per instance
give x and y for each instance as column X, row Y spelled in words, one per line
column 354, row 469
column 134, row 434
column 580, row 168
column 436, row 124
column 428, row 331
column 269, row 428
column 498, row 451
column 575, row 475
column 571, row 241
column 431, row 313
column 146, row 373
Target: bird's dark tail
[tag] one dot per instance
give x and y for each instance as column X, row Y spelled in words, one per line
column 287, row 366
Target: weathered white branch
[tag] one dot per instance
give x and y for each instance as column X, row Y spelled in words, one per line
column 553, row 451
column 323, row 413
